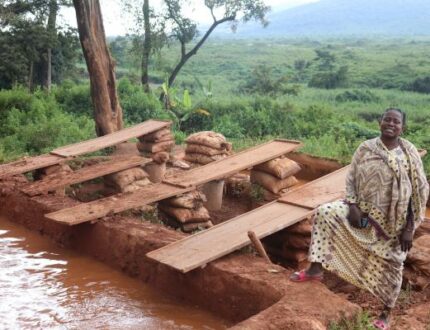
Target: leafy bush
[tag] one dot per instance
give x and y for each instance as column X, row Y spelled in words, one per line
column 74, row 99
column 356, row 95
column 420, row 85
column 330, row 79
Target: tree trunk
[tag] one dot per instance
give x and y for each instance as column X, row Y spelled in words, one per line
column 107, row 110
column 51, row 27
column 146, row 46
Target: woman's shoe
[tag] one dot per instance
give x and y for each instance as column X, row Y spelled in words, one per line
column 381, row 324
column 302, row 276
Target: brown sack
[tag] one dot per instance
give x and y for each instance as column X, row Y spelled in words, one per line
column 209, row 139
column 289, row 253
column 419, row 256
column 136, row 185
column 191, row 200
column 202, row 159
column 160, row 157
column 303, row 228
column 123, row 178
column 279, row 167
column 201, row 149
column 189, row 227
column 184, row 215
column 298, row 241
column 271, row 182
column 156, row 136
column 155, row 147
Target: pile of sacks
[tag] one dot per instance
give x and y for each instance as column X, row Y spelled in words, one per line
column 205, row 147
column 158, row 141
column 127, row 181
column 292, row 243
column 275, row 176
column 58, row 169
column 186, row 212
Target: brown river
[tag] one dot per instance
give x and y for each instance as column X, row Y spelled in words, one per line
column 43, row 286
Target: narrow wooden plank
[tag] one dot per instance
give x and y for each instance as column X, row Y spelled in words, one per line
column 29, row 164
column 323, row 190
column 109, row 140
column 115, row 204
column 234, row 163
column 59, row 180
column 201, row 248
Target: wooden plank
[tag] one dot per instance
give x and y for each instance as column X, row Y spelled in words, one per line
column 29, row 164
column 234, row 163
column 59, row 180
column 109, row 140
column 115, row 204
column 220, row 240
column 323, row 190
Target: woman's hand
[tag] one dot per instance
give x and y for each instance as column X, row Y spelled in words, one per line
column 406, row 238
column 354, row 216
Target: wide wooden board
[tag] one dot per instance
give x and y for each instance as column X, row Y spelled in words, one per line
column 109, row 140
column 115, row 204
column 323, row 190
column 220, row 240
column 59, row 180
column 29, row 164
column 234, row 163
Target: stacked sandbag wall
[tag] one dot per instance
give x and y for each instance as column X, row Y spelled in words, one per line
column 127, row 180
column 275, row 177
column 205, row 147
column 292, row 243
column 186, row 212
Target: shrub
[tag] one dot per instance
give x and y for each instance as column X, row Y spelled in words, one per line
column 420, row 85
column 356, row 95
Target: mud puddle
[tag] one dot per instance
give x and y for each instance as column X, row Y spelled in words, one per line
column 44, row 286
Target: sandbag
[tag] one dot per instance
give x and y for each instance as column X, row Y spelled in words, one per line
column 184, row 215
column 272, row 183
column 419, row 256
column 136, row 185
column 123, row 178
column 191, row 200
column 202, row 159
column 298, row 241
column 303, row 228
column 209, row 139
column 279, row 167
column 156, row 136
column 189, row 227
column 155, row 147
column 160, row 157
column 201, row 149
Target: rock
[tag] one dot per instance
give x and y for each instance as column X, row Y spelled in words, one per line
column 416, row 318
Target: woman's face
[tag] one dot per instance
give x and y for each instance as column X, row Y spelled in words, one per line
column 391, row 124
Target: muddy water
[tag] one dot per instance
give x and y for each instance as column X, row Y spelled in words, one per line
column 43, row 286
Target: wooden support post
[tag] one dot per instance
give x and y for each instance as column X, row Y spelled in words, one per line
column 258, row 246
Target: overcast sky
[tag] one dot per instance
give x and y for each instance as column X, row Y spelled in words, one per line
column 116, row 25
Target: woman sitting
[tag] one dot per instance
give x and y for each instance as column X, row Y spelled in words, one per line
column 365, row 238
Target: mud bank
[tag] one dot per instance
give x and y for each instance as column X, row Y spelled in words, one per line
column 238, row 288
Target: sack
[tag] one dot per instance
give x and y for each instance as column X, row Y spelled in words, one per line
column 136, row 185
column 271, row 182
column 184, row 215
column 419, row 256
column 201, row 149
column 202, row 159
column 189, row 227
column 157, row 136
column 279, row 167
column 155, row 147
column 298, row 241
column 191, row 200
column 160, row 157
column 209, row 139
column 122, row 179
column 303, row 228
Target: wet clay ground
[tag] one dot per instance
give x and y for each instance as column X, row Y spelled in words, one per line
column 44, row 286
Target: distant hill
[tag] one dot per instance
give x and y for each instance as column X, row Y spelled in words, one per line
column 344, row 17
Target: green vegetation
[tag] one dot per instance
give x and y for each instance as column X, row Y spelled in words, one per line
column 361, row 322
column 249, row 90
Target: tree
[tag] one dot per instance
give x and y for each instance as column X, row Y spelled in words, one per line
column 186, row 31
column 107, row 110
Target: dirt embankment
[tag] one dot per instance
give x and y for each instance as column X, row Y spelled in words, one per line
column 240, row 287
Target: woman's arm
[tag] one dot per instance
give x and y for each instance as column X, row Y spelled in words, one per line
column 355, row 214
